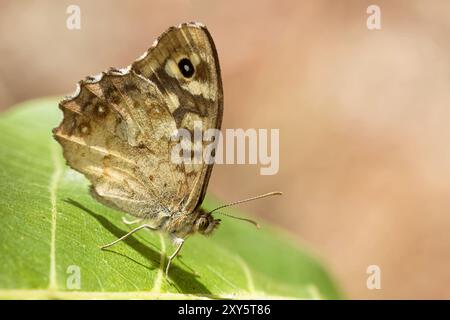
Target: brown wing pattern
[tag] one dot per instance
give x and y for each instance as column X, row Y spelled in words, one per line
column 116, row 129
column 117, row 133
column 197, row 98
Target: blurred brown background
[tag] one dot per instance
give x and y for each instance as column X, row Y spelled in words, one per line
column 363, row 115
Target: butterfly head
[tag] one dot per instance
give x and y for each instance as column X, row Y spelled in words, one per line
column 205, row 223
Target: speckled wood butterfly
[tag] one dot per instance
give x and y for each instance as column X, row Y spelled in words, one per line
column 118, row 125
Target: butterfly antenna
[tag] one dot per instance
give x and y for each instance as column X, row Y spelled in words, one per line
column 275, row 193
column 243, row 219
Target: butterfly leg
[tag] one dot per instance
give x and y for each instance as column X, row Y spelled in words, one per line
column 129, row 222
column 146, row 226
column 180, row 242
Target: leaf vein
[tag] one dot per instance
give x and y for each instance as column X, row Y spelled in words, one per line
column 53, row 186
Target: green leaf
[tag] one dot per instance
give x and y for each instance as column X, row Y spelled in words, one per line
column 51, row 230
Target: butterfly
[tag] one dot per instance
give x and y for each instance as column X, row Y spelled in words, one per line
column 118, row 126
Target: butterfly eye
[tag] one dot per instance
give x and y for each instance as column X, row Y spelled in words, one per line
column 186, row 67
column 202, row 224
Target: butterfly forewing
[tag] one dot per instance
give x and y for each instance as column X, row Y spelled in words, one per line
column 190, row 99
